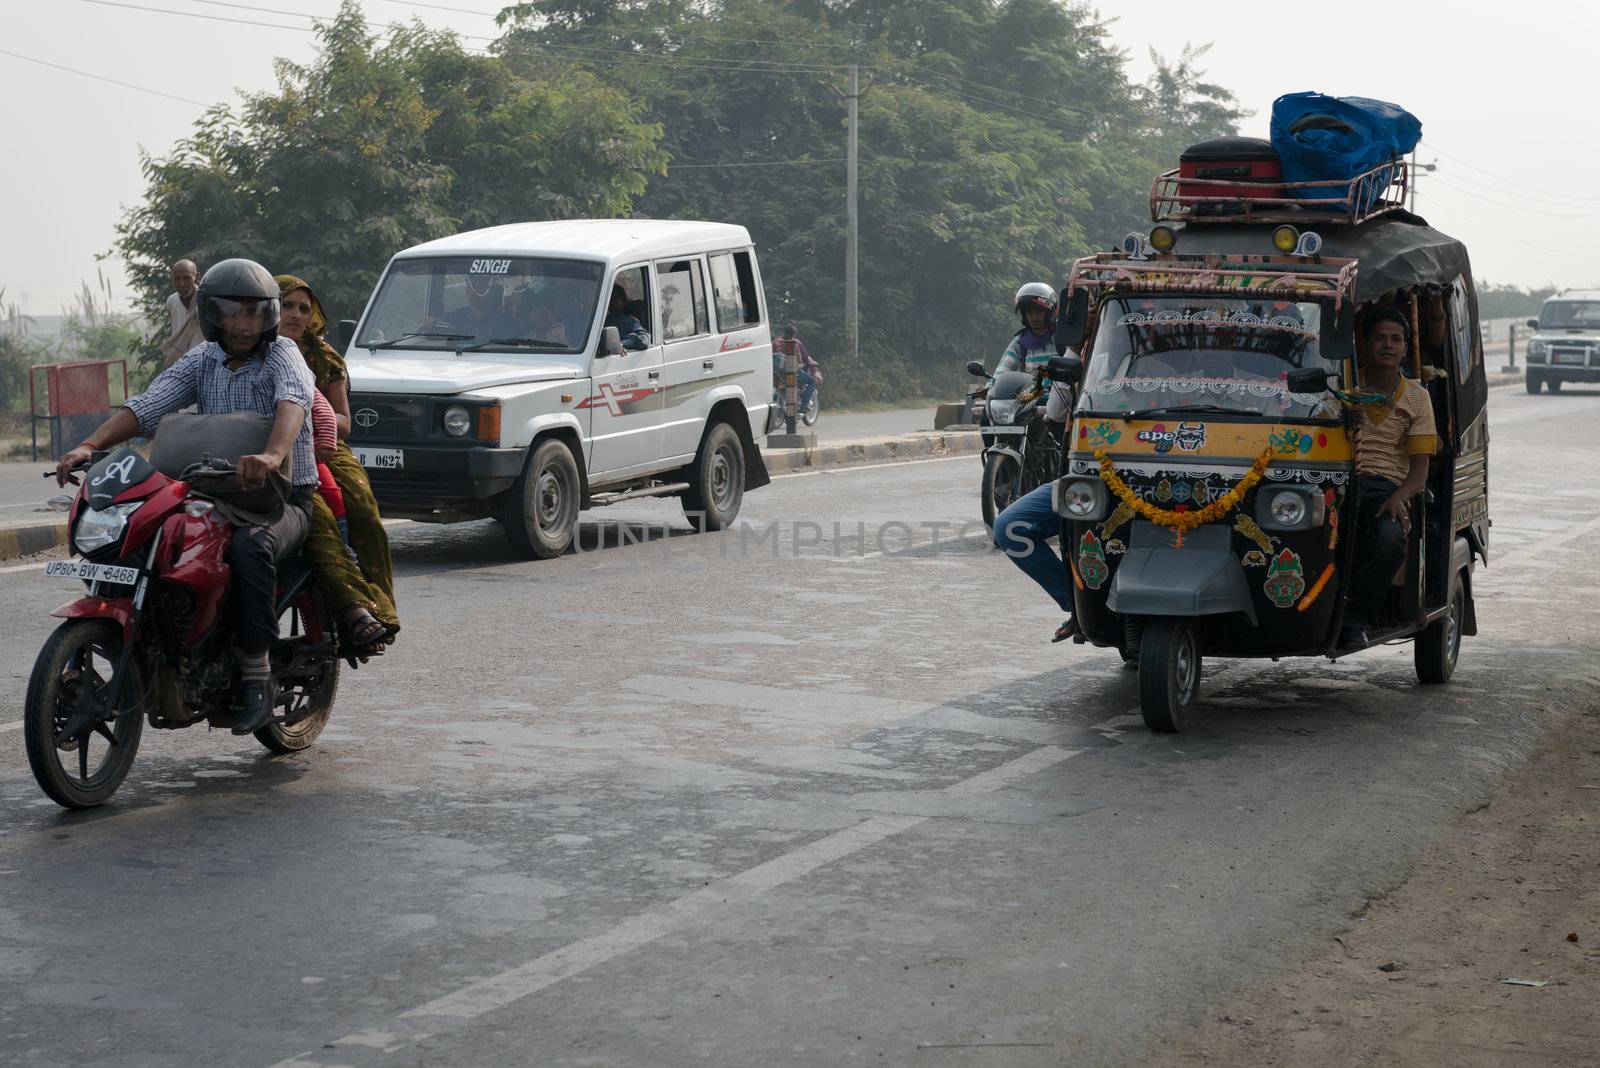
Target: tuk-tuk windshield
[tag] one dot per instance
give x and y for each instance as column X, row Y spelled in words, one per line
column 1229, row 355
column 487, row 303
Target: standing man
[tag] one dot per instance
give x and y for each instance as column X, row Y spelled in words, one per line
column 244, row 366
column 183, row 331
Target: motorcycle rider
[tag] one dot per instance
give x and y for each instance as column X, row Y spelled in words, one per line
column 243, row 366
column 804, row 380
column 1030, row 347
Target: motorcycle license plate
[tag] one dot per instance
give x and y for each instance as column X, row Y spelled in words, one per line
column 383, row 459
column 1005, row 430
column 82, row 569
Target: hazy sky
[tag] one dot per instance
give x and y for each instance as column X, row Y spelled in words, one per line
column 1505, row 92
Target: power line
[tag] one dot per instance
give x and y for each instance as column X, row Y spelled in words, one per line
column 199, row 15
column 758, row 163
column 1509, row 206
column 1491, row 174
column 103, row 78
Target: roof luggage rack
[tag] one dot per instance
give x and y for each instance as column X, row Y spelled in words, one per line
column 1353, row 201
column 1282, row 277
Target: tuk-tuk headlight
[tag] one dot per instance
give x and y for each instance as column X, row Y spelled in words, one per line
column 1081, row 499
column 1002, row 411
column 1290, row 508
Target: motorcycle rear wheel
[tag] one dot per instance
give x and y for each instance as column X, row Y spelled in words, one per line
column 309, row 700
column 71, row 679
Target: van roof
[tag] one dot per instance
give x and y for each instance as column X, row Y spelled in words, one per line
column 612, row 240
column 1577, row 294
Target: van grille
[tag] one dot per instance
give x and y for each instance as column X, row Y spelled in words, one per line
column 382, row 417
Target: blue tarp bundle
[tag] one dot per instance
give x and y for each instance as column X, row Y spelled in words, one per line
column 1327, row 138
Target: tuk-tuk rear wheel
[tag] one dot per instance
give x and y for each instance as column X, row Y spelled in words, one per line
column 1169, row 674
column 1438, row 647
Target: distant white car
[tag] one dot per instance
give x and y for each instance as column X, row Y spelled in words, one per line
column 528, row 371
column 1566, row 342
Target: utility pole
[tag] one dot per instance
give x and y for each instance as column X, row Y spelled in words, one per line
column 1416, row 172
column 852, row 337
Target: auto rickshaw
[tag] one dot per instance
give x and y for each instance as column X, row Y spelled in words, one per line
column 1208, row 498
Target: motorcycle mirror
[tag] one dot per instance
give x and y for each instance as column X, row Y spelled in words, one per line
column 344, row 333
column 975, row 367
column 1073, row 319
column 1307, row 380
column 1068, row 369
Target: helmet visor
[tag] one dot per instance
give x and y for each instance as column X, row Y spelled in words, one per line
column 236, row 312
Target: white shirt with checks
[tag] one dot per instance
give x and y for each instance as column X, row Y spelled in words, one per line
column 202, row 377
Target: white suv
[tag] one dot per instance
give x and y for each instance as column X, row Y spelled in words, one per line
column 528, row 371
column 1566, row 342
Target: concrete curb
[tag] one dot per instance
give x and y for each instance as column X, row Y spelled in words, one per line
column 25, row 539
column 855, row 453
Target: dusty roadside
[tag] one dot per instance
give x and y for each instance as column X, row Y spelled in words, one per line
column 1417, row 978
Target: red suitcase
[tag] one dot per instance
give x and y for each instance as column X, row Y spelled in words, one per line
column 1249, row 160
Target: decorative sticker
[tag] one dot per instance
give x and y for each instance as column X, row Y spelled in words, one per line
column 1254, row 558
column 1292, row 442
column 1123, row 513
column 1202, row 493
column 1164, row 491
column 1114, row 547
column 1102, row 435
column 1092, row 561
column 1180, row 491
column 1191, row 436
column 1246, row 527
column 1286, row 579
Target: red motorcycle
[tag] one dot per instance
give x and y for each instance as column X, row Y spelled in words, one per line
column 151, row 641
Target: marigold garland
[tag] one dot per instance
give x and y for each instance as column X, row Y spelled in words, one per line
column 1182, row 521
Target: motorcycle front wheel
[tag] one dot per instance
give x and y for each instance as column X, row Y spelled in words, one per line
column 1001, row 479
column 79, row 747
column 808, row 414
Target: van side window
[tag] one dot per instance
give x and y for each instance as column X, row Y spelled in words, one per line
column 733, row 286
column 683, row 300
column 635, row 285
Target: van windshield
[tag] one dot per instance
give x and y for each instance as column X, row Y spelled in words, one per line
column 487, row 303
column 1220, row 353
column 1570, row 315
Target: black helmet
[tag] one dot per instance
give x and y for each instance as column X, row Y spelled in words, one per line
column 238, row 282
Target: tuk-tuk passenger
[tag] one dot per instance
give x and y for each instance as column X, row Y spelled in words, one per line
column 1393, row 440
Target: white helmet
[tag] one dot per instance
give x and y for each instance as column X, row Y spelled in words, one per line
column 1035, row 295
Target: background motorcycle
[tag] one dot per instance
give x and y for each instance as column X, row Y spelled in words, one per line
column 151, row 640
column 806, row 415
column 1020, row 448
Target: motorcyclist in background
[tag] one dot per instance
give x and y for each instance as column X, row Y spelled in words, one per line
column 1031, row 346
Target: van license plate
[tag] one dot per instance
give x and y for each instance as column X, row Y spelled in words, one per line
column 82, row 569
column 1569, row 357
column 382, row 459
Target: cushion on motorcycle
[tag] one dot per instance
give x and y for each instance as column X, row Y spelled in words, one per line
column 185, row 438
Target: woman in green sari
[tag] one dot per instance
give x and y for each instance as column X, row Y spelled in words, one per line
column 304, row 321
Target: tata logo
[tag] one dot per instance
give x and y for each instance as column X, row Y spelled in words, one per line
column 366, row 418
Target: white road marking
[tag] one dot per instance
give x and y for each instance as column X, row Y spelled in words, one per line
column 1532, row 554
column 498, row 991
column 840, row 469
column 17, row 726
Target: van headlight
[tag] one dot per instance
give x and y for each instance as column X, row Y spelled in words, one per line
column 1002, row 411
column 1081, row 499
column 1537, row 350
column 100, row 527
column 457, row 420
column 1290, row 508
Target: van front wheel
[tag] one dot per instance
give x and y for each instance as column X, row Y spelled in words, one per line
column 716, row 480
column 540, row 510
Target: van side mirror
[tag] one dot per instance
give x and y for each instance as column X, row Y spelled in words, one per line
column 344, row 333
column 1072, row 319
column 610, row 342
column 975, row 367
column 1533, row 324
column 1308, row 380
column 1068, row 369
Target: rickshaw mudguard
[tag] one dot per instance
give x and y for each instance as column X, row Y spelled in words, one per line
column 1200, row 578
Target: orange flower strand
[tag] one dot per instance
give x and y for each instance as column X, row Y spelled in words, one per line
column 1182, row 521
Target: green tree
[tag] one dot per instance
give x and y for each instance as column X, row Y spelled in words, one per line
column 374, row 144
column 999, row 140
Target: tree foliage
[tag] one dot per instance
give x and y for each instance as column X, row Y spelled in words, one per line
column 376, row 144
column 999, row 140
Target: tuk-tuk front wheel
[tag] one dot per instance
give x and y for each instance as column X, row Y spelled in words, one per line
column 1438, row 647
column 1169, row 674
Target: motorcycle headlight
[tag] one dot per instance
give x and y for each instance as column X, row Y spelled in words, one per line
column 1002, row 411
column 1082, row 499
column 100, row 527
column 457, row 420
